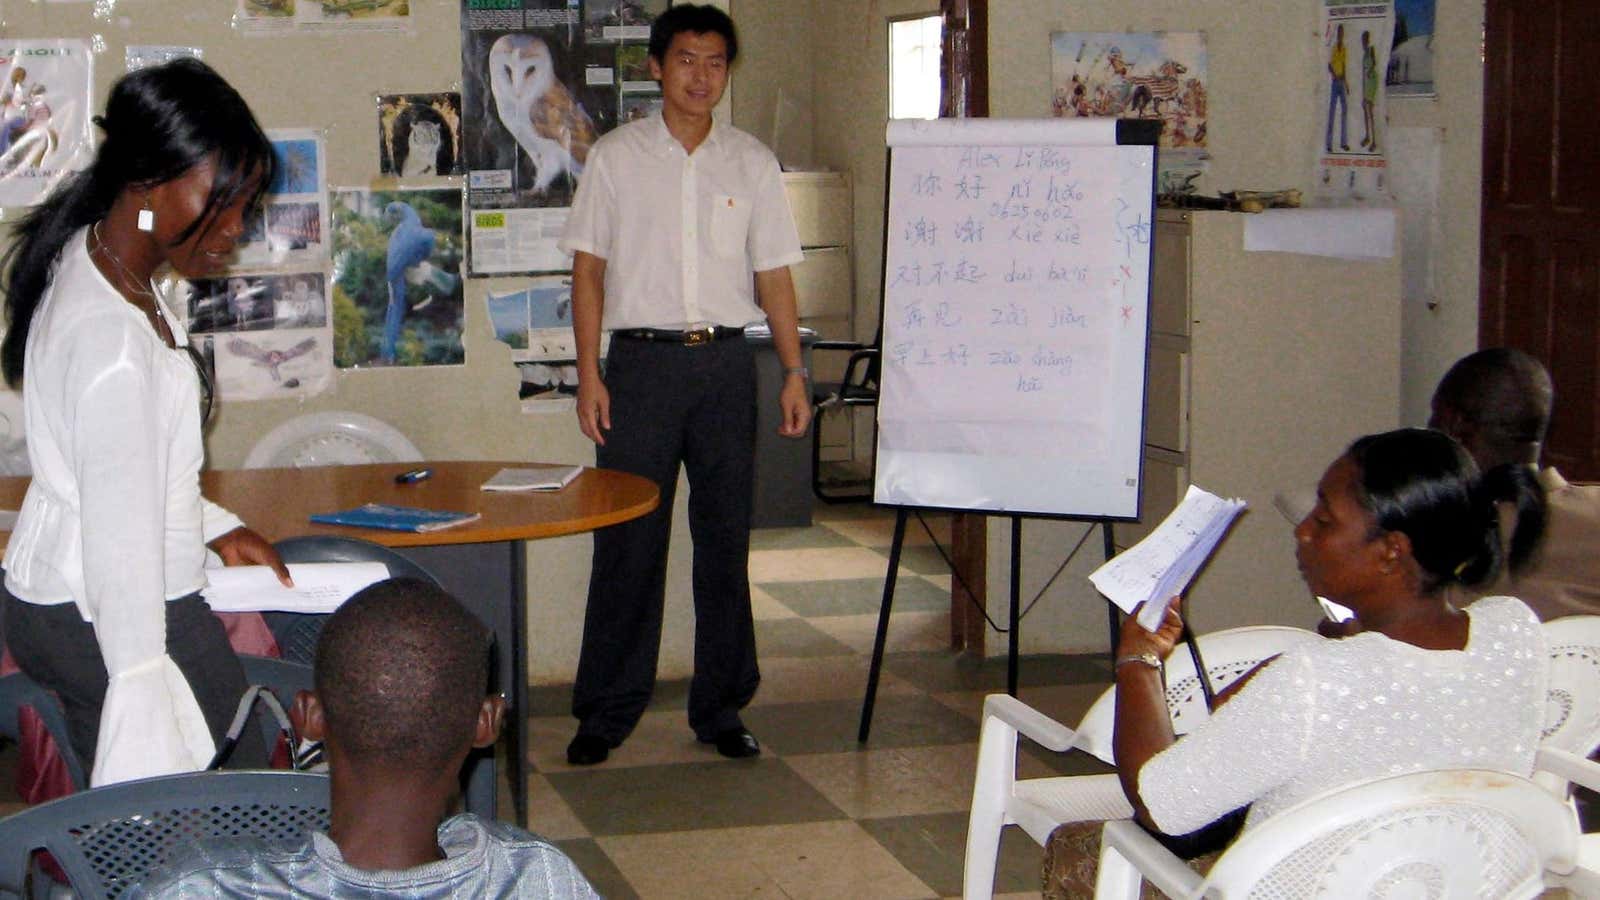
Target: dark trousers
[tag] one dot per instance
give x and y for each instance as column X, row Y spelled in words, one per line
column 57, row 649
column 672, row 404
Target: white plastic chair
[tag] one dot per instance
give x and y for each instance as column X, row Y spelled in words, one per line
column 1442, row 835
column 335, row 438
column 1572, row 707
column 1038, row 805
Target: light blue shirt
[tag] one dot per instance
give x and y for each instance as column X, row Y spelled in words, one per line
column 482, row 859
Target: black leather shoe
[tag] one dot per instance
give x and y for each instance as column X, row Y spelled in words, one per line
column 588, row 750
column 735, row 743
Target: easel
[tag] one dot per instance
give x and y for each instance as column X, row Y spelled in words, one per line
column 1013, row 622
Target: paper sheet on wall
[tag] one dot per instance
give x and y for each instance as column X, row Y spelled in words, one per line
column 1164, row 563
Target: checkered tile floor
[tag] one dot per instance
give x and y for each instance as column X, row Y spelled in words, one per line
column 817, row 814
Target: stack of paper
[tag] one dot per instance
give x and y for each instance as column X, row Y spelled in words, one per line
column 1162, row 564
column 318, row 587
column 544, row 478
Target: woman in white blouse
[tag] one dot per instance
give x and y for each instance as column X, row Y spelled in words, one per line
column 104, row 567
column 1401, row 519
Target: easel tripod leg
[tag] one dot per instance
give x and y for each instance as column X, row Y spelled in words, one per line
column 883, row 625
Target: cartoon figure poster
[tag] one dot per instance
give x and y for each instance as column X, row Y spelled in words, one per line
column 1133, row 75
column 397, row 297
column 45, row 108
column 420, row 135
column 1352, row 57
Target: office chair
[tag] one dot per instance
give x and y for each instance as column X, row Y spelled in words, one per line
column 296, row 633
column 857, row 387
column 107, row 839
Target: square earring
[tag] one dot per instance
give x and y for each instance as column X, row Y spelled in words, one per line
column 147, row 219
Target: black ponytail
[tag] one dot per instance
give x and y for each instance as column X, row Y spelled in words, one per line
column 1423, row 484
column 1516, row 484
column 160, row 122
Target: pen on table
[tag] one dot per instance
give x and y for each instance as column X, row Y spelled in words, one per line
column 413, row 476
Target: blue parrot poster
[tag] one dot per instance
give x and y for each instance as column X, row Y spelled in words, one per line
column 397, row 298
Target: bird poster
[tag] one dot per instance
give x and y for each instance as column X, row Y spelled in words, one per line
column 45, row 105
column 531, row 110
column 535, row 322
column 292, row 220
column 312, row 16
column 420, row 135
column 266, row 335
column 397, row 297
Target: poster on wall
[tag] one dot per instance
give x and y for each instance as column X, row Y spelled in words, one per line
column 1158, row 75
column 419, row 135
column 1352, row 58
column 397, row 297
column 266, row 335
column 264, row 17
column 536, row 322
column 1410, row 69
column 289, row 229
column 535, row 96
column 45, row 105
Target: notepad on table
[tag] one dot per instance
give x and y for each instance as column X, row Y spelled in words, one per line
column 318, row 587
column 543, row 478
column 1162, row 564
column 396, row 518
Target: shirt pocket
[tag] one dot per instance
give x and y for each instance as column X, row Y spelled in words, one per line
column 730, row 224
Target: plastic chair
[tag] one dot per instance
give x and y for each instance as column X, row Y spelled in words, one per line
column 1446, row 835
column 1038, row 805
column 332, row 438
column 858, row 387
column 296, row 633
column 110, row 838
column 1572, row 707
column 18, row 690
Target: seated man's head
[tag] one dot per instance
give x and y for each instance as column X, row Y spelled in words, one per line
column 401, row 675
column 1496, row 402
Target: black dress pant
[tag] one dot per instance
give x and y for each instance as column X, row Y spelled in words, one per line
column 57, row 649
column 672, row 405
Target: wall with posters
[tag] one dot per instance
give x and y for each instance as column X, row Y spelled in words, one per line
column 329, row 82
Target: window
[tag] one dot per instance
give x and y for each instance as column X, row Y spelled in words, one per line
column 914, row 47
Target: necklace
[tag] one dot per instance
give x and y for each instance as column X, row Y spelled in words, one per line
column 133, row 282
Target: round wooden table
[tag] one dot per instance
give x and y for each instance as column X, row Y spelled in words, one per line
column 481, row 562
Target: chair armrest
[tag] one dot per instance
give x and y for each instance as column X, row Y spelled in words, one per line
column 1156, row 863
column 1037, row 726
column 1569, row 767
column 838, row 345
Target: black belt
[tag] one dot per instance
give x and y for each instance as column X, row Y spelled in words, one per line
column 688, row 338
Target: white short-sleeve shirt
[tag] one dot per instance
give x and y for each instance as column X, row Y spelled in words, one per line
column 682, row 234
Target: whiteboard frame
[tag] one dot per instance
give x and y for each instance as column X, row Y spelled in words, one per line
column 1004, row 133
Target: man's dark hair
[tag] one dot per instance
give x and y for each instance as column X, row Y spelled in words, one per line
column 1504, row 395
column 402, row 670
column 695, row 19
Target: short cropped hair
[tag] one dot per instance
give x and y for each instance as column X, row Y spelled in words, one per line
column 695, row 19
column 1506, row 395
column 402, row 670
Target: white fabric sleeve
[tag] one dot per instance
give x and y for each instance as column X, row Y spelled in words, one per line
column 1257, row 741
column 591, row 221
column 774, row 240
column 113, row 416
column 216, row 521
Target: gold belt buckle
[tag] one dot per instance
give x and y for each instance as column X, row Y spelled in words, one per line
column 697, row 337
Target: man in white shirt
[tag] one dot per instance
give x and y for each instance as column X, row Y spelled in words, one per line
column 678, row 228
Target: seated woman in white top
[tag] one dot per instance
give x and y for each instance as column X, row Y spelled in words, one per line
column 1402, row 518
column 105, row 564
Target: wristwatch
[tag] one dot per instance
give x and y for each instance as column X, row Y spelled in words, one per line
column 802, row 371
column 1147, row 658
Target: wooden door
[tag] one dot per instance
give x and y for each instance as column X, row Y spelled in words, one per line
column 1539, row 286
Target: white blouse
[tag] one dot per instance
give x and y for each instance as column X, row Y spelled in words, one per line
column 1331, row 713
column 113, row 520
